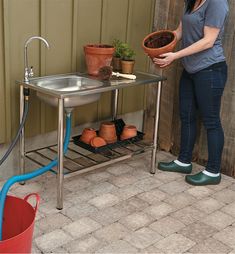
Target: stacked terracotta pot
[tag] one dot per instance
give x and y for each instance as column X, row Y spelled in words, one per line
column 107, row 134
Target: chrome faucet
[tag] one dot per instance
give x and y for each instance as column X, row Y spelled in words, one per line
column 28, row 72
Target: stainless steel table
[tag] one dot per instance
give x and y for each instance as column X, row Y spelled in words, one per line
column 113, row 85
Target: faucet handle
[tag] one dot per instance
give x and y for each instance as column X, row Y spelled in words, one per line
column 31, row 72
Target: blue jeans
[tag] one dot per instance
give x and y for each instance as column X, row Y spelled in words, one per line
column 202, row 91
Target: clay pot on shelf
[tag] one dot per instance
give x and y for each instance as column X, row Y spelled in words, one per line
column 107, row 131
column 127, row 66
column 129, row 131
column 116, row 63
column 159, row 42
column 87, row 135
column 98, row 142
column 97, row 56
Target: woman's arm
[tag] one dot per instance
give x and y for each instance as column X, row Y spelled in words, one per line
column 210, row 36
column 178, row 32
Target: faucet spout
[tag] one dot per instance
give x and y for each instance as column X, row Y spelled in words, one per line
column 27, row 72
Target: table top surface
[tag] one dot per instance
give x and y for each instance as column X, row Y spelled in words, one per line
column 106, row 85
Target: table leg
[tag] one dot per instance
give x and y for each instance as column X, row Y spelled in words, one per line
column 22, row 137
column 156, row 124
column 114, row 103
column 60, row 167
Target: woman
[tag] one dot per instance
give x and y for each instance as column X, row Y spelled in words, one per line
column 201, row 85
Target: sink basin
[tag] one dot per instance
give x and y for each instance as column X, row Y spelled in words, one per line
column 69, row 84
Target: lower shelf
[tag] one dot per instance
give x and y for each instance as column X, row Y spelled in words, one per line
column 79, row 160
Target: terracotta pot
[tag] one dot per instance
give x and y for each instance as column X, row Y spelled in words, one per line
column 97, row 56
column 159, row 42
column 87, row 135
column 98, row 142
column 129, row 131
column 107, row 131
column 127, row 66
column 116, row 63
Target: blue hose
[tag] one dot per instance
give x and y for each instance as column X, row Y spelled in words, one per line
column 37, row 172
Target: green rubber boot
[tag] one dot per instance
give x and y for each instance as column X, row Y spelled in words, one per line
column 173, row 167
column 201, row 179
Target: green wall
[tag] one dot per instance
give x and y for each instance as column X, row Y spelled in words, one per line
column 67, row 25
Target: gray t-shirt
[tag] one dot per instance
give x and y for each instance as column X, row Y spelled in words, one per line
column 213, row 14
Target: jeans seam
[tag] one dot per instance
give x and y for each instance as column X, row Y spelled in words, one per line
column 189, row 133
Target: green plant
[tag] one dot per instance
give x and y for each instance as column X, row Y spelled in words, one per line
column 118, row 45
column 127, row 52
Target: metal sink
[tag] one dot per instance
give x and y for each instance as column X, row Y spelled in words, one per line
column 67, row 85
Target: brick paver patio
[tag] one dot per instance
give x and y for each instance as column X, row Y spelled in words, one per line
column 124, row 209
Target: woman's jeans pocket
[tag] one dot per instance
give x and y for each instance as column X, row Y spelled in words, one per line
column 216, row 77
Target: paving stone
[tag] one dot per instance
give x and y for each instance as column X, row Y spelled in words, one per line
column 82, row 227
column 35, row 249
column 173, row 187
column 104, row 200
column 159, row 211
column 167, row 177
column 132, row 205
column 77, row 184
column 180, row 200
column 123, row 180
column 225, row 183
column 108, row 215
column 79, row 197
column 199, row 191
column 29, row 187
column 151, row 250
column 102, row 188
column 218, row 220
column 148, row 183
column 136, row 220
column 37, row 232
column 188, row 215
column 198, row 232
column 49, row 207
column 119, row 169
column 231, row 186
column 227, row 236
column 153, row 196
column 167, row 226
column 112, row 232
column 127, row 192
column 229, row 209
column 89, row 244
column 210, row 245
column 208, row 205
column 141, row 174
column 98, row 177
column 142, row 164
column 118, row 247
column 50, row 194
column 143, row 238
column 80, row 210
column 175, row 243
column 57, row 251
column 52, row 222
column 52, row 240
column 226, row 196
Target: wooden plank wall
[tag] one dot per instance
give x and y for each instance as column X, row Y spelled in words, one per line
column 167, row 15
column 67, row 25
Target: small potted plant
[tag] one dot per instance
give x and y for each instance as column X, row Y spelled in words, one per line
column 118, row 45
column 127, row 59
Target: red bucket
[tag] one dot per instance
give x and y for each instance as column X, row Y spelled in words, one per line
column 18, row 224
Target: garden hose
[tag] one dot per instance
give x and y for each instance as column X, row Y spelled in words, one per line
column 37, row 172
column 25, row 113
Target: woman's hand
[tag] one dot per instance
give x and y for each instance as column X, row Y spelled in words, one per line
column 165, row 59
